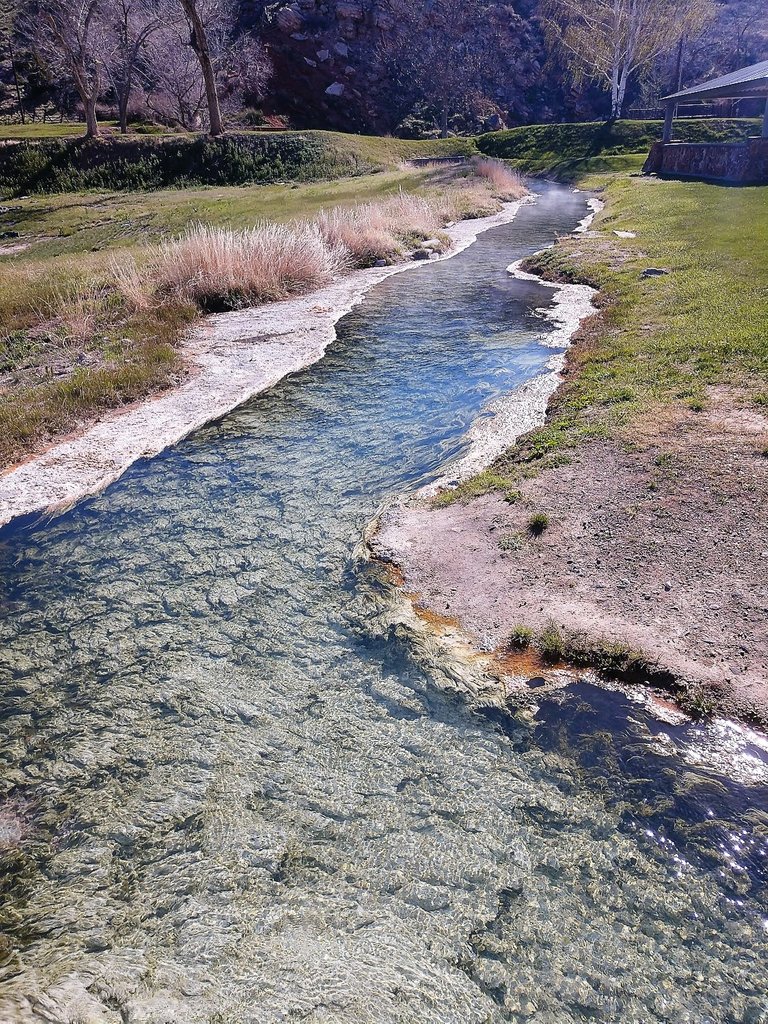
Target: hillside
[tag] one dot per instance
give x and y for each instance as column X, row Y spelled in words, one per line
column 375, row 66
column 327, row 73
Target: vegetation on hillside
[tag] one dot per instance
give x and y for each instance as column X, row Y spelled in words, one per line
column 567, row 151
column 77, row 165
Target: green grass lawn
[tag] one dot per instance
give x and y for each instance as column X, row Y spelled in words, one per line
column 72, row 223
column 45, row 130
column 661, row 340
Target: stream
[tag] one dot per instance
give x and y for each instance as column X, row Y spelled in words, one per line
column 231, row 794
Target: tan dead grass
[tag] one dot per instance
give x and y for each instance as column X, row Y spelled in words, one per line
column 505, row 180
column 219, row 269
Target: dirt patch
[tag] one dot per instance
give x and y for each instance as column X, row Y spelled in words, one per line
column 662, row 545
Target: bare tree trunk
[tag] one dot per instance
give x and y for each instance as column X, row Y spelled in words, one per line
column 615, row 112
column 91, row 121
column 622, row 92
column 679, row 68
column 122, row 113
column 16, row 83
column 200, row 46
column 444, row 122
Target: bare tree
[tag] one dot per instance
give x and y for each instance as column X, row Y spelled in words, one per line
column 609, row 41
column 129, row 26
column 198, row 13
column 69, row 35
column 9, row 11
column 177, row 89
column 742, row 33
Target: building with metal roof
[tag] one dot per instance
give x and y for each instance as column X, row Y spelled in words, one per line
column 733, row 163
column 747, row 83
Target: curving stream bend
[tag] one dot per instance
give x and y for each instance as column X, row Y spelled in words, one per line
column 231, row 795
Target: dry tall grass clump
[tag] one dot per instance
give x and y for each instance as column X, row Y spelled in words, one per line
column 504, row 180
column 365, row 232
column 414, row 216
column 131, row 283
column 221, row 269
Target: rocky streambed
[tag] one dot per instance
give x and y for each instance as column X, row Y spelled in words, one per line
column 236, row 789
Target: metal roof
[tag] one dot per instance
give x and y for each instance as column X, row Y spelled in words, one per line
column 751, row 81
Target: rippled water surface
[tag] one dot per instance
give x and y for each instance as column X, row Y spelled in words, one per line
column 230, row 793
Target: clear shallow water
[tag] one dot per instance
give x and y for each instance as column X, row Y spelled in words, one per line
column 232, row 796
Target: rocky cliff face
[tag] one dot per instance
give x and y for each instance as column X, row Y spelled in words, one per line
column 327, row 72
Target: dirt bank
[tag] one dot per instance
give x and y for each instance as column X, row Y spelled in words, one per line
column 233, row 357
column 664, row 547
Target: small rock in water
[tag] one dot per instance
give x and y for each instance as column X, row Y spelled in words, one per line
column 337, row 89
column 381, row 263
column 422, row 254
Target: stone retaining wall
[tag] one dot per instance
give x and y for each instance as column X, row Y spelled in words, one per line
column 739, row 163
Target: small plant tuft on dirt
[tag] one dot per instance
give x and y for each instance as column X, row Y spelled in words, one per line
column 521, row 637
column 551, row 643
column 538, row 523
column 510, row 542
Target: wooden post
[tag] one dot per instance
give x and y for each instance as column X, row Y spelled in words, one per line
column 765, row 120
column 668, row 115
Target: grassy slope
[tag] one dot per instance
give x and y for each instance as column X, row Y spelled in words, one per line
column 67, row 224
column 47, row 130
column 660, row 340
column 568, row 151
column 144, row 162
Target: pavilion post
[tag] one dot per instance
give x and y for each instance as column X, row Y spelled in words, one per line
column 765, row 120
column 669, row 114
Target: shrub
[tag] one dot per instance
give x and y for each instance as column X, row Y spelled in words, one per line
column 419, row 216
column 130, row 283
column 75, row 165
column 364, row 231
column 538, row 523
column 612, row 657
column 551, row 643
column 521, row 636
column 472, row 201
